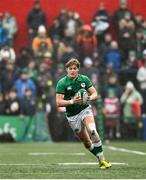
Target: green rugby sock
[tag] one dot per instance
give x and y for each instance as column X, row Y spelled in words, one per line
column 97, row 150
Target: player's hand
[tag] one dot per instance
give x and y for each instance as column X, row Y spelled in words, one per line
column 77, row 100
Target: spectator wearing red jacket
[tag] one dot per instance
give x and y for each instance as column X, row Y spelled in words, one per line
column 86, row 42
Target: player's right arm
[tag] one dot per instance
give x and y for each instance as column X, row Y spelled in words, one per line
column 63, row 103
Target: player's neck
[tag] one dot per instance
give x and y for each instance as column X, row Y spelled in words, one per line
column 73, row 78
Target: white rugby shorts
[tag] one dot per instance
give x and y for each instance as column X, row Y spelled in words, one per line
column 76, row 122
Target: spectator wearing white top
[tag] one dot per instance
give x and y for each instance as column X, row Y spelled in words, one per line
column 7, row 54
column 10, row 24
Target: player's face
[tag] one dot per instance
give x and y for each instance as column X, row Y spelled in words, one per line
column 72, row 71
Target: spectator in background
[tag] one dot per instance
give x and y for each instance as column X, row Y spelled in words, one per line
column 106, row 72
column 141, row 77
column 97, row 84
column 78, row 21
column 62, row 20
column 144, row 33
column 111, row 110
column 41, row 51
column 2, row 104
column 69, row 53
column 10, row 24
column 86, row 42
column 101, row 22
column 66, row 25
column 44, row 80
column 31, row 70
column 126, row 20
column 144, row 26
column 28, row 103
column 60, row 72
column 24, row 57
column 88, row 69
column 24, row 82
column 130, row 67
column 9, row 74
column 139, row 46
column 72, row 26
column 113, row 56
column 131, row 100
column 126, row 34
column 138, row 18
column 105, row 45
column 41, row 37
column 35, row 18
column 46, row 94
column 142, row 61
column 3, row 32
column 7, row 54
column 131, row 62
column 58, row 49
column 54, row 29
column 0, row 79
column 111, row 82
column 12, row 103
column 97, row 59
column 48, row 61
column 120, row 13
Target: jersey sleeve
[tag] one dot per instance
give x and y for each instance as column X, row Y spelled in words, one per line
column 60, row 88
column 88, row 82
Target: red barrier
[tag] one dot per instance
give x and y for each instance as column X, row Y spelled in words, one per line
column 86, row 8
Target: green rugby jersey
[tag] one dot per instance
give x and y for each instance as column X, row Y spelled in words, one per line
column 69, row 88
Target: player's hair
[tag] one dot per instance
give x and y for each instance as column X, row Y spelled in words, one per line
column 72, row 62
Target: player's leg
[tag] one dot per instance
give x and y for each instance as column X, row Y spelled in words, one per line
column 80, row 126
column 96, row 145
column 84, row 137
column 79, row 129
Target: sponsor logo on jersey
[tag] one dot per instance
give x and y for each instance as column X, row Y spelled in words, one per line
column 83, row 85
column 69, row 88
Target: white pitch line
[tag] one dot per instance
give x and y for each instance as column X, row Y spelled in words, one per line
column 89, row 163
column 20, row 164
column 65, row 164
column 52, row 153
column 48, row 173
column 126, row 150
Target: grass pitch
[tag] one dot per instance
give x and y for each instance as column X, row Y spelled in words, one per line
column 70, row 161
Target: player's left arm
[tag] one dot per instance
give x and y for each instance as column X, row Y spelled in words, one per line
column 92, row 93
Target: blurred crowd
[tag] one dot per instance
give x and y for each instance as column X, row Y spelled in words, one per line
column 111, row 50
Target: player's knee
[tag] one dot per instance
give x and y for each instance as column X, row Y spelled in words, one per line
column 93, row 133
column 94, row 136
column 77, row 130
